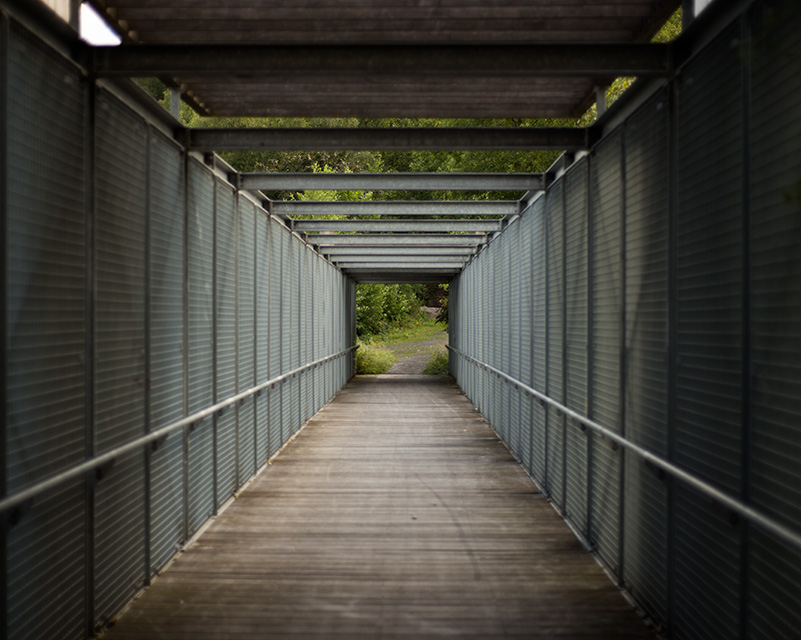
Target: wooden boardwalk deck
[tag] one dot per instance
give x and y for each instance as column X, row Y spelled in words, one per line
column 396, row 513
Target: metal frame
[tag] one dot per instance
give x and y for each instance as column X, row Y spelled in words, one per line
column 396, row 208
column 397, row 226
column 381, row 139
column 391, row 181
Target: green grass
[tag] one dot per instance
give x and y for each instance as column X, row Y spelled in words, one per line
column 373, row 359
column 413, row 331
column 438, row 365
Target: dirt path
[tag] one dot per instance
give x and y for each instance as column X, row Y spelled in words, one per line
column 413, row 356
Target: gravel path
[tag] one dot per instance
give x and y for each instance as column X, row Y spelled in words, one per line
column 413, row 356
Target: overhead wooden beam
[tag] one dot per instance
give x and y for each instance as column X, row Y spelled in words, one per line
column 391, row 182
column 387, row 139
column 577, row 60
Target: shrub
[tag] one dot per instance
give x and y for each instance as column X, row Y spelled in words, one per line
column 437, row 366
column 372, row 360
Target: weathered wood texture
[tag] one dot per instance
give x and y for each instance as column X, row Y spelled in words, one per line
column 396, row 513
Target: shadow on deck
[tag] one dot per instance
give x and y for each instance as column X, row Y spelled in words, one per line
column 395, row 513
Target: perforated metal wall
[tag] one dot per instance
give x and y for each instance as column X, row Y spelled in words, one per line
column 139, row 289
column 664, row 268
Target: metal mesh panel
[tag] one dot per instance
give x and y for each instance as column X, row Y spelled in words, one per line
column 709, row 423
column 119, row 542
column 200, row 234
column 287, row 331
column 120, row 380
column 775, row 446
column 262, row 329
column 166, row 500
column 46, row 565
column 646, row 373
column 539, row 346
column 120, row 220
column 555, row 450
column 275, row 260
column 225, row 319
column 44, row 255
column 576, row 309
column 246, row 263
column 166, row 241
column 606, row 189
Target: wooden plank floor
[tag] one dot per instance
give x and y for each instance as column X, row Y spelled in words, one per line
column 396, row 513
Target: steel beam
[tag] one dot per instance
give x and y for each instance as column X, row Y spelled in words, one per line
column 449, row 261
column 398, row 226
column 474, row 60
column 342, row 253
column 402, row 266
column 398, row 208
column 392, row 181
column 399, row 240
column 389, row 139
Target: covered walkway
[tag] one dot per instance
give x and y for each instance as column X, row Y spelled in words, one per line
column 395, row 513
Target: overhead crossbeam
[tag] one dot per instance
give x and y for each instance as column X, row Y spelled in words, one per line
column 544, row 60
column 392, row 181
column 397, row 226
column 398, row 240
column 389, row 139
column 450, row 261
column 344, row 253
column 397, row 208
column 415, row 266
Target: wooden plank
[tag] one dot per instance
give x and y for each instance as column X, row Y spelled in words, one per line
column 395, row 513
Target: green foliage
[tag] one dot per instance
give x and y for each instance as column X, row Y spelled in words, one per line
column 438, row 365
column 371, row 359
column 382, row 306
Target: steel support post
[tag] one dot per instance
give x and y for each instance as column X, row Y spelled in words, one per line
column 590, row 344
column 214, row 324
column 185, row 345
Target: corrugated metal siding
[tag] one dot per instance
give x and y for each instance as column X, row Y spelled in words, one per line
column 246, row 355
column 120, row 380
column 555, row 422
column 576, row 309
column 646, row 373
column 225, row 337
column 200, row 260
column 120, row 219
column 775, row 447
column 45, row 255
column 606, row 189
column 166, row 375
column 709, row 299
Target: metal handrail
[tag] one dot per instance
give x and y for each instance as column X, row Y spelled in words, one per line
column 109, row 456
column 700, row 485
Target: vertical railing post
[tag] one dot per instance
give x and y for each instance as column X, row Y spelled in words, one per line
column 185, row 345
column 590, row 344
column 214, row 342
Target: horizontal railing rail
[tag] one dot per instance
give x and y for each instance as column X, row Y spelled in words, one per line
column 735, row 505
column 107, row 457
